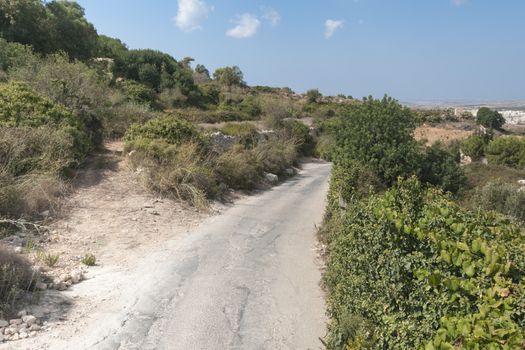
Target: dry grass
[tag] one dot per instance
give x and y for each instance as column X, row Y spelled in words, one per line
column 433, row 134
column 16, row 277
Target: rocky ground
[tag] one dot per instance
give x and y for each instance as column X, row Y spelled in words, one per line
column 109, row 217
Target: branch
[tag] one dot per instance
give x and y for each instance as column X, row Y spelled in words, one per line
column 23, row 225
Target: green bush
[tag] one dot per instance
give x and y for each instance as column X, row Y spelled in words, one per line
column 509, row 151
column 489, row 118
column 22, row 106
column 441, row 168
column 170, row 129
column 409, row 269
column 503, row 197
column 246, row 132
column 74, row 85
column 474, row 147
column 137, row 93
column 379, row 133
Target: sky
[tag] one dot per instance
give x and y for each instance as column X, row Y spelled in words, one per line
column 413, row 50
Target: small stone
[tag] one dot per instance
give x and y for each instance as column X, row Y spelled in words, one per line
column 290, row 172
column 45, row 213
column 272, row 178
column 3, row 323
column 1, row 338
column 76, row 276
column 21, row 314
column 18, row 250
column 22, row 330
column 61, row 286
column 16, row 321
column 23, row 335
column 34, row 328
column 32, row 334
column 29, row 320
column 14, row 337
column 65, row 277
column 41, row 286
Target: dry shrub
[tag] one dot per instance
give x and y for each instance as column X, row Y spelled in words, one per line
column 276, row 155
column 30, row 195
column 16, row 277
column 239, row 168
column 180, row 171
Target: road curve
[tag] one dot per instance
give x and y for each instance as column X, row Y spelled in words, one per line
column 245, row 279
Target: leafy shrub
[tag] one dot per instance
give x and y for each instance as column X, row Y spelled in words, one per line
column 379, row 133
column 137, row 93
column 170, row 129
column 409, row 269
column 509, row 151
column 489, row 118
column 238, row 168
column 502, row 197
column 21, row 106
column 441, row 168
column 16, row 277
column 350, row 182
column 13, row 55
column 74, row 85
column 246, row 132
column 474, row 147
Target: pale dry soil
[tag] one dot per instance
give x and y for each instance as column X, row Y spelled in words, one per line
column 242, row 276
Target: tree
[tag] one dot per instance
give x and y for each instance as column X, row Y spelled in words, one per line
column 313, row 95
column 489, row 118
column 110, row 47
column 26, row 22
column 229, row 76
column 378, row 133
column 70, row 31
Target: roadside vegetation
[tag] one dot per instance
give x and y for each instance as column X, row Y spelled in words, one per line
column 422, row 253
column 408, row 267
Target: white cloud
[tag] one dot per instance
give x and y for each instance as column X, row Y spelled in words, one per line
column 331, row 26
column 458, row 2
column 271, row 15
column 190, row 14
column 246, row 26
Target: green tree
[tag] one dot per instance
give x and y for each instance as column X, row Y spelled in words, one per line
column 229, row 76
column 26, row 22
column 70, row 31
column 378, row 133
column 110, row 47
column 441, row 168
column 490, row 118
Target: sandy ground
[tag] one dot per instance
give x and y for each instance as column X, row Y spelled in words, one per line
column 445, row 133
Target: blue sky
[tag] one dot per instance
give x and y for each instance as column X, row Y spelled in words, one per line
column 411, row 49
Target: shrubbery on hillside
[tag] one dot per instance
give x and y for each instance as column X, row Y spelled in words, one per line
column 409, row 269
column 509, row 151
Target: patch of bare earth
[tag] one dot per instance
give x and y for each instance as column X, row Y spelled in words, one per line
column 442, row 133
column 112, row 216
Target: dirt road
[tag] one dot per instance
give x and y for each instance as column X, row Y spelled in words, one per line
column 245, row 279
